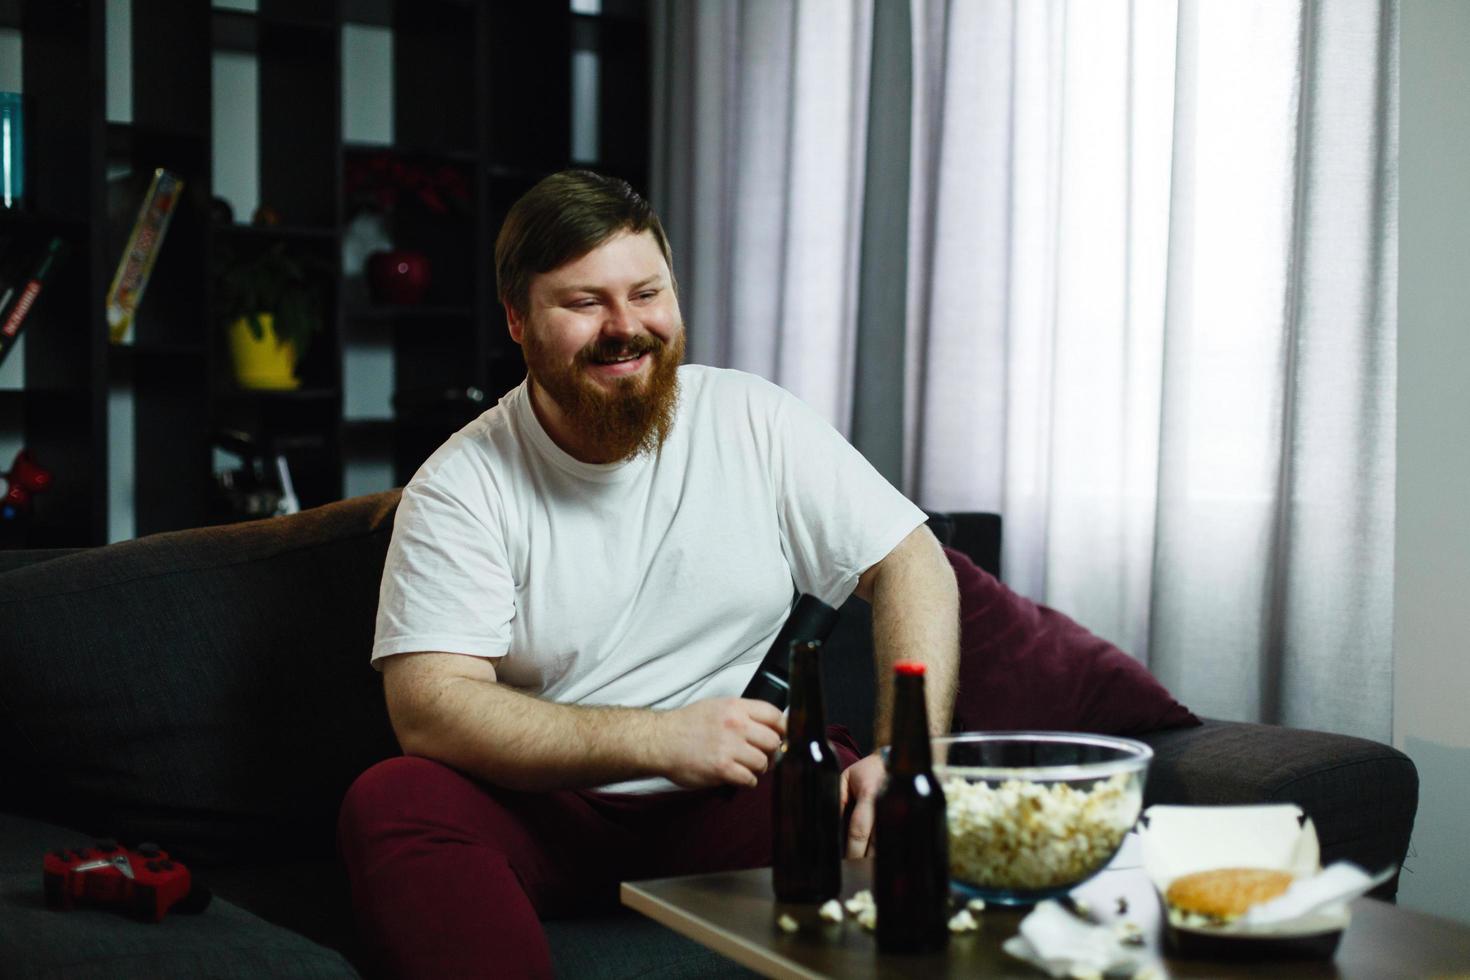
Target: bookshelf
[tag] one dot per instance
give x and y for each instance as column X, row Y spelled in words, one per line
column 484, row 89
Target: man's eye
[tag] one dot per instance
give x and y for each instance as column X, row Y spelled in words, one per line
column 646, row 295
column 582, row 304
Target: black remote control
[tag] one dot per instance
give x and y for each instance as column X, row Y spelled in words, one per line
column 810, row 619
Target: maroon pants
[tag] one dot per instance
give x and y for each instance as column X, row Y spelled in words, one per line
column 451, row 877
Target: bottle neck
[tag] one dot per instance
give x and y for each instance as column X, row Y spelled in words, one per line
column 808, row 716
column 910, row 751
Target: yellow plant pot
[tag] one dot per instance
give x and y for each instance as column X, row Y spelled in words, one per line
column 263, row 363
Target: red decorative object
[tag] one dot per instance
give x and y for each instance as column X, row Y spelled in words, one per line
column 25, row 478
column 398, row 277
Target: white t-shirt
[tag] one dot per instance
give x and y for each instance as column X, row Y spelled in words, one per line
column 652, row 582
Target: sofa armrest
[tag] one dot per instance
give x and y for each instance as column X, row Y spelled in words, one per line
column 10, row 560
column 1361, row 795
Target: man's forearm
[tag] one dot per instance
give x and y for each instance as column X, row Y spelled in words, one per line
column 521, row 742
column 916, row 617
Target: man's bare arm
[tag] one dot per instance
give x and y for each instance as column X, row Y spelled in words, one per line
column 915, row 617
column 450, row 707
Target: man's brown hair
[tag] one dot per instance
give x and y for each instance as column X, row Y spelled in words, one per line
column 561, row 219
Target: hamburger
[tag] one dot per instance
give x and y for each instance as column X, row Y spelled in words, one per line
column 1222, row 895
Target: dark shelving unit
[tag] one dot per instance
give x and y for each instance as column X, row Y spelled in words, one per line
column 484, row 88
column 62, row 409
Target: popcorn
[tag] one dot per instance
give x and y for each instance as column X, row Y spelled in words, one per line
column 1029, row 835
column 963, row 921
column 976, row 905
column 862, row 900
column 868, row 918
column 830, row 911
column 1129, row 933
column 787, row 924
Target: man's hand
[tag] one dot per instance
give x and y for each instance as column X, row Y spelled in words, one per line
column 725, row 740
column 862, row 781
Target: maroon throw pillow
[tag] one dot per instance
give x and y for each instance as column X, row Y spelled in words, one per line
column 1027, row 666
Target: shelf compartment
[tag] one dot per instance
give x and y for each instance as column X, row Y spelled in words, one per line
column 173, row 305
column 273, row 233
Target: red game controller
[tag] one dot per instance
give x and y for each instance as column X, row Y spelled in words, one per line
column 146, row 882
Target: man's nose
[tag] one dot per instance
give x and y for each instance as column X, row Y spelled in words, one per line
column 619, row 320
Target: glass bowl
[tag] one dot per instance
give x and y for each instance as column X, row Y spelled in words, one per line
column 1034, row 814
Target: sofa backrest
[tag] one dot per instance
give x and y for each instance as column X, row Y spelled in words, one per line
column 208, row 689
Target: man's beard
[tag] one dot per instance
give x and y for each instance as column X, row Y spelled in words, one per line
column 631, row 416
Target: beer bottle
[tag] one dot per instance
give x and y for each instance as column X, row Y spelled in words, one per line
column 807, row 829
column 911, row 877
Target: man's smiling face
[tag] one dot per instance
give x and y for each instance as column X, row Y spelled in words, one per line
column 603, row 338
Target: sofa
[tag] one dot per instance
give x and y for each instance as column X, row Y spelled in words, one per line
column 209, row 690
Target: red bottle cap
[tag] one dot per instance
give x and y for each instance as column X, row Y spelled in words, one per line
column 909, row 668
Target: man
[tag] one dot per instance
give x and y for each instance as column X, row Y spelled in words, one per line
column 580, row 584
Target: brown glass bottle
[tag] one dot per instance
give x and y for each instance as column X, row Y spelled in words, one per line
column 807, row 828
column 911, row 876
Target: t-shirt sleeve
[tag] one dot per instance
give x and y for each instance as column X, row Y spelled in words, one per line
column 446, row 581
column 839, row 516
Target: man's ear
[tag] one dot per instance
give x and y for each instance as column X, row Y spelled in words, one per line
column 514, row 323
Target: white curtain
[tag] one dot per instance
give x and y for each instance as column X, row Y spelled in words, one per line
column 759, row 150
column 1150, row 269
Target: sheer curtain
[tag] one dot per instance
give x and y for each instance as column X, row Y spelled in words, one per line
column 759, row 152
column 1150, row 304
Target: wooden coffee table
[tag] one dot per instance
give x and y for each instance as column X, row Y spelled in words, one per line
column 734, row 914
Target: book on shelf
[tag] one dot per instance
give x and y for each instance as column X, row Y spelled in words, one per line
column 18, row 296
column 141, row 251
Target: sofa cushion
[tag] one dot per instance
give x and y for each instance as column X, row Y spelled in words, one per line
column 207, row 689
column 222, row 941
column 1026, row 666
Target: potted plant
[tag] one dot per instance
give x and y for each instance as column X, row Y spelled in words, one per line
column 270, row 305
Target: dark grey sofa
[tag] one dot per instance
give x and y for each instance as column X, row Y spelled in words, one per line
column 209, row 690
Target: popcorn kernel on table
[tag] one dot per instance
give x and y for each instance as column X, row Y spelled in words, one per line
column 963, row 921
column 787, row 923
column 830, row 911
column 1129, row 933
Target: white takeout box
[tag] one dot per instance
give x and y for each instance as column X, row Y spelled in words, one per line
column 1180, row 840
